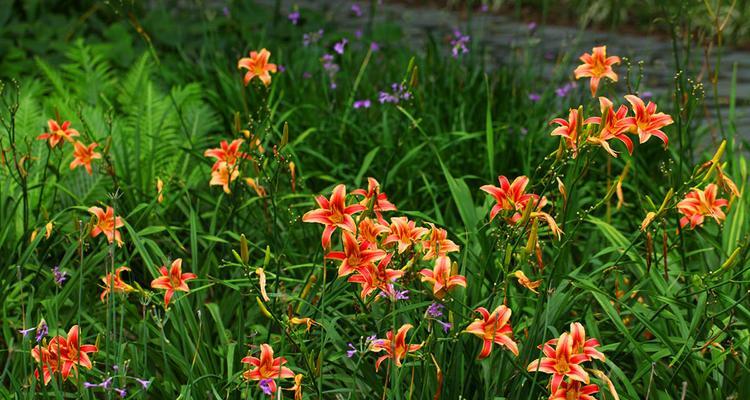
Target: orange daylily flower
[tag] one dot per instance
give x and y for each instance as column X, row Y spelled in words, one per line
column 615, row 125
column 355, row 255
column 442, row 278
column 228, row 153
column 257, row 66
column 267, row 367
column 58, row 133
column 437, row 243
column 373, row 195
column 107, row 223
column 584, row 346
column 568, row 130
column 84, row 155
column 574, row 391
column 511, row 197
column 224, row 175
column 396, row 348
column 113, row 283
column 493, row 329
column 524, row 281
column 561, row 362
column 597, row 66
column 372, row 277
column 648, row 122
column 333, row 213
column 172, row 280
column 63, row 354
column 297, row 388
column 403, row 232
column 369, row 231
column 699, row 204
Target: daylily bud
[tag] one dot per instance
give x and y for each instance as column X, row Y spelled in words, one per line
column 267, row 259
column 648, row 220
column 729, row 263
column 237, row 123
column 244, row 252
column 284, row 136
column 263, row 309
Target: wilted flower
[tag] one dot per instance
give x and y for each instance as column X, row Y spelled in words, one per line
column 172, row 280
column 524, row 281
column 257, row 65
column 597, row 66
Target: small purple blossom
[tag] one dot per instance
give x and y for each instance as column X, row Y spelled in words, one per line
column 25, row 332
column 446, row 325
column 435, row 310
column 374, row 47
column 331, row 68
column 549, row 56
column 339, row 46
column 398, row 92
column 226, row 12
column 106, row 384
column 646, row 95
column 459, row 43
column 89, row 385
column 353, row 350
column 531, row 27
column 294, row 17
column 265, row 386
column 122, row 392
column 484, row 8
column 41, row 331
column 356, row 10
column 115, row 367
column 312, row 37
column 362, row 103
column 281, row 68
column 358, row 34
column 563, row 91
column 60, row 276
column 306, row 75
column 534, row 97
column 144, row 383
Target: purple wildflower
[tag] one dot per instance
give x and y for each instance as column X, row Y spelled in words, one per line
column 122, row 392
column 60, row 276
column 115, row 367
column 563, row 91
column 534, row 97
column 25, row 332
column 312, row 37
column 549, row 55
column 281, row 68
column 484, row 8
column 294, row 17
column 265, row 386
column 362, row 103
column 225, row 10
column 531, row 27
column 89, row 385
column 374, row 47
column 458, row 43
column 358, row 34
column 339, row 46
column 144, row 383
column 398, row 92
column 330, row 67
column 352, row 352
column 41, row 331
column 356, row 10
column 435, row 310
column 646, row 95
column 402, row 295
column 306, row 75
column 446, row 325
